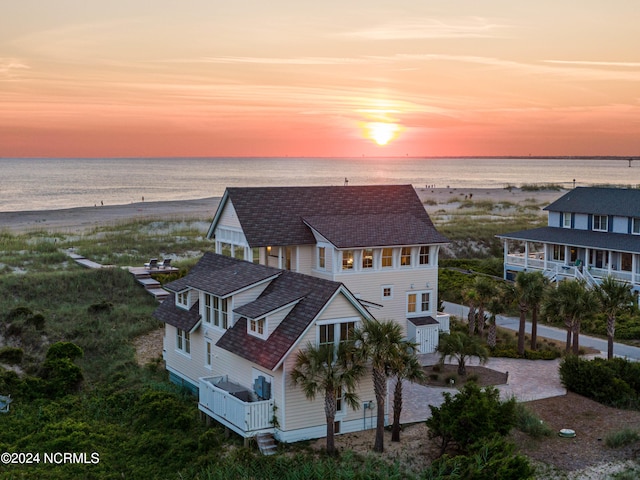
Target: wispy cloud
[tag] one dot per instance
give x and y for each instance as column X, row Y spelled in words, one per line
column 278, row 60
column 595, row 63
column 471, row 27
column 8, row 66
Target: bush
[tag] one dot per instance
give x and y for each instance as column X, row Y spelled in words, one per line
column 605, row 381
column 622, row 438
column 473, row 414
column 11, row 355
column 527, row 422
column 62, row 376
column 64, row 350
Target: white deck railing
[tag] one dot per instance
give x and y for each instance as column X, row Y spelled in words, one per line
column 221, row 405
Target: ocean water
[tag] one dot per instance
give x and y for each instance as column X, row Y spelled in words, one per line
column 42, row 184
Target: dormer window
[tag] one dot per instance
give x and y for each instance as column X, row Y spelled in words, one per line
column 182, row 299
column 367, row 258
column 600, row 223
column 566, row 220
column 387, row 257
column 258, row 327
column 424, row 255
column 635, row 226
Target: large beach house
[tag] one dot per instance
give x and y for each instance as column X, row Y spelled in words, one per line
column 591, row 232
column 294, row 265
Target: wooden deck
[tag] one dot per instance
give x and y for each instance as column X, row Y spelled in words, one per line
column 141, row 274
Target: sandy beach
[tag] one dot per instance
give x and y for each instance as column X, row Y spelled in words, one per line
column 82, row 219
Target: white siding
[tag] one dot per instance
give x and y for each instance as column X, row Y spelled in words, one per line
column 229, row 217
column 306, row 258
column 190, row 366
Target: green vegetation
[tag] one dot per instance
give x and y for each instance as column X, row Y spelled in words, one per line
column 622, row 438
column 527, row 422
column 614, row 382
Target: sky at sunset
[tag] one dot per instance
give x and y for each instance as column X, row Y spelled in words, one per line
column 84, row 78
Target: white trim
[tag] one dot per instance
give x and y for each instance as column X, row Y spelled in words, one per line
column 418, row 294
column 593, row 223
column 265, row 329
column 382, row 288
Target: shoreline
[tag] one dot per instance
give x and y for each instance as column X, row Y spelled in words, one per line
column 82, row 219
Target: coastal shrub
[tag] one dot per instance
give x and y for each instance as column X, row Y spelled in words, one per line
column 64, row 350
column 492, row 458
column 530, row 423
column 605, row 381
column 11, row 355
column 622, row 438
column 473, row 414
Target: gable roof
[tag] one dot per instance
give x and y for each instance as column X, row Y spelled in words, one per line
column 308, row 295
column 315, row 294
column 276, row 215
column 624, row 202
column 168, row 312
column 221, row 276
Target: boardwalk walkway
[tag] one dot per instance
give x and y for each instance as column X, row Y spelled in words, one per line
column 141, row 274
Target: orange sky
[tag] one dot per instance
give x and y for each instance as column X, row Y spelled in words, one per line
column 254, row 78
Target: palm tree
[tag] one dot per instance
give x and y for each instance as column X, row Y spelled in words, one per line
column 461, row 346
column 470, row 296
column 528, row 288
column 572, row 302
column 615, row 296
column 485, row 289
column 380, row 342
column 329, row 369
column 495, row 307
column 539, row 284
column 405, row 366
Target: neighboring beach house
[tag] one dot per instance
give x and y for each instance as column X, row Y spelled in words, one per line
column 592, row 232
column 295, row 265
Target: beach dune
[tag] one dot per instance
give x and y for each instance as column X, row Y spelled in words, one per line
column 82, row 219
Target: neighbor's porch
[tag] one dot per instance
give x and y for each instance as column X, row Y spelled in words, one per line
column 235, row 406
column 562, row 261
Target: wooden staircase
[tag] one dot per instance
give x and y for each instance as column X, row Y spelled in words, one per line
column 266, row 443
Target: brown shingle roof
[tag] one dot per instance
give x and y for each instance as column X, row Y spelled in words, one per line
column 169, row 313
column 221, row 276
column 274, row 215
column 267, row 353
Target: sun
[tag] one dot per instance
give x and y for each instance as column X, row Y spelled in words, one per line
column 382, row 133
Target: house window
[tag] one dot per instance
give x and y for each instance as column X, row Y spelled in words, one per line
column 238, row 252
column 182, row 299
column 387, row 257
column 255, row 253
column 183, row 341
column 418, row 302
column 635, row 226
column 208, row 359
column 257, row 327
column 208, row 308
column 347, row 259
column 424, row 255
column 600, row 223
column 335, row 332
column 558, row 253
column 405, row 256
column 566, row 220
column 221, row 312
column 322, row 257
column 387, row 291
column 367, row 258
column 339, row 400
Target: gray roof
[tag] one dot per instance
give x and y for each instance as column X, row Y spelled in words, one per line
column 275, row 215
column 419, row 321
column 266, row 304
column 624, row 202
column 221, row 276
column 621, row 242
